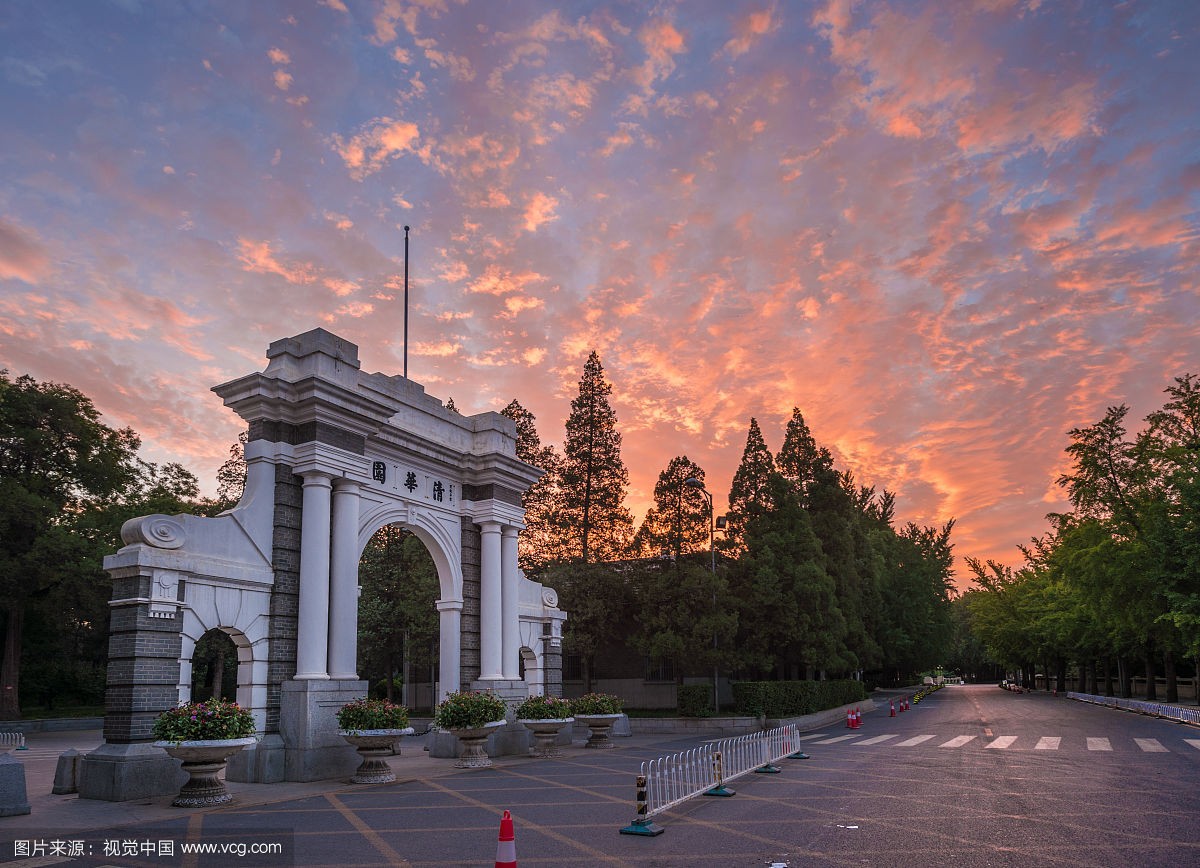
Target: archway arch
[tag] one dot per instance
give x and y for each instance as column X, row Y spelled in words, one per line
column 443, row 546
column 398, row 626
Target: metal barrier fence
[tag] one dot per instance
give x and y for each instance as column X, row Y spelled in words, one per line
column 1158, row 709
column 667, row 781
column 9, row 740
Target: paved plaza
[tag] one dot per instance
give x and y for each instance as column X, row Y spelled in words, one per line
column 567, row 811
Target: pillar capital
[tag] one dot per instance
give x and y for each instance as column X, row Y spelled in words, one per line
column 317, row 479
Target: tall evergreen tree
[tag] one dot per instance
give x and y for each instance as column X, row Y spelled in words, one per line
column 801, row 461
column 790, row 613
column 830, row 500
column 678, row 522
column 540, row 543
column 750, row 491
column 593, row 519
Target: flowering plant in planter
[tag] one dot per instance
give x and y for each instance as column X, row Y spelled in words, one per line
column 544, row 708
column 366, row 714
column 213, row 720
column 597, row 703
column 469, row 710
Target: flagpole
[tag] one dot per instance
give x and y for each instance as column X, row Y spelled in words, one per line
column 406, row 302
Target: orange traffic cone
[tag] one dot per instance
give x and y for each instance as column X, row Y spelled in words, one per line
column 892, row 713
column 857, row 718
column 506, row 846
column 849, row 719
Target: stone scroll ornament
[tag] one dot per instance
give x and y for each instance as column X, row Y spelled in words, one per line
column 160, row 531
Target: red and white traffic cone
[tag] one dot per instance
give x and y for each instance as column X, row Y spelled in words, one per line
column 857, row 718
column 849, row 719
column 506, row 846
column 892, row 713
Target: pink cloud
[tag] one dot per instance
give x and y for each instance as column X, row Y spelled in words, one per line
column 257, row 256
column 21, row 254
column 1045, row 116
column 497, row 280
column 662, row 43
column 382, row 140
column 539, row 210
column 750, row 30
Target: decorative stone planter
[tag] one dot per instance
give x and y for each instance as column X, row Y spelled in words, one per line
column 545, row 733
column 473, row 755
column 599, row 726
column 204, row 762
column 372, row 746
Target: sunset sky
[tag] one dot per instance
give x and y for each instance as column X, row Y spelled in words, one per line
column 947, row 231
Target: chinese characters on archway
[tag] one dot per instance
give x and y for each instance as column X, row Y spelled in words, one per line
column 416, row 483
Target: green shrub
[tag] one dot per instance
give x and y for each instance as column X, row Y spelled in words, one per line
column 794, row 698
column 544, row 708
column 379, row 688
column 469, row 710
column 597, row 703
column 372, row 714
column 694, row 700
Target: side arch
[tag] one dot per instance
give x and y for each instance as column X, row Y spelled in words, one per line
column 243, row 615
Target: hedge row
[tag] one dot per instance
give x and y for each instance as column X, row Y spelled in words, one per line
column 694, row 700
column 794, row 698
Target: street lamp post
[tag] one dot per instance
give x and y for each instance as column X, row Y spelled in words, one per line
column 693, row 482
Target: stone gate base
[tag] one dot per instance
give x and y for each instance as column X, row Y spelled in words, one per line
column 312, row 748
column 120, row 772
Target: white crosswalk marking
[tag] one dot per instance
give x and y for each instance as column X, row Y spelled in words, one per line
column 958, row 741
column 1003, row 742
column 836, row 739
column 811, row 737
column 879, row 739
column 916, row 739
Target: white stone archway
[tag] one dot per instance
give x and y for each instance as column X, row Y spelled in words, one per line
column 333, row 454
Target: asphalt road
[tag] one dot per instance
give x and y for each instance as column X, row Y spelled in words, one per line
column 972, row 776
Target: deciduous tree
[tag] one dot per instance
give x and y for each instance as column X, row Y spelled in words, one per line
column 57, row 459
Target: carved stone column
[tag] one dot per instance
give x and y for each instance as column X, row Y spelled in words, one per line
column 509, row 609
column 491, row 638
column 450, row 618
column 312, row 640
column 343, row 596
